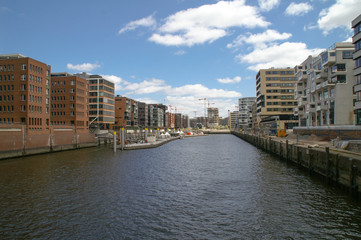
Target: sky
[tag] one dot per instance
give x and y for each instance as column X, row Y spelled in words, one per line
column 175, row 52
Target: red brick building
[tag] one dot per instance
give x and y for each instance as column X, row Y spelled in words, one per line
column 69, row 101
column 24, row 92
column 126, row 112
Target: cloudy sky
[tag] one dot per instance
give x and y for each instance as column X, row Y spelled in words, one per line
column 175, row 52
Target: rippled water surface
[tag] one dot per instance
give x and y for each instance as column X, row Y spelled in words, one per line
column 212, row 187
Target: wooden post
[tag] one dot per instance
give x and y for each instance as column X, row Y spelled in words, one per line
column 287, row 150
column 328, row 174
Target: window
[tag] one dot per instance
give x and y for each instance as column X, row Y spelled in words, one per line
column 22, row 87
column 22, row 97
column 23, row 66
column 72, row 82
column 347, row 54
column 22, row 108
column 23, row 77
column 325, row 58
column 357, row 29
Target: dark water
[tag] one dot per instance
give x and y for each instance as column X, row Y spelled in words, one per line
column 214, row 187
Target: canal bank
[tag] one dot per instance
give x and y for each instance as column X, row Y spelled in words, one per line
column 341, row 168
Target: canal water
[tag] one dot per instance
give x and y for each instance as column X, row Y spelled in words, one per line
column 211, row 187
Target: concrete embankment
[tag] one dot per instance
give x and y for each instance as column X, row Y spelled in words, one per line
column 341, row 168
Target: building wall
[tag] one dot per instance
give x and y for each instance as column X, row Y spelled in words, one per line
column 24, row 92
column 143, row 114
column 213, row 117
column 122, row 112
column 275, row 96
column 356, row 39
column 324, row 88
column 69, row 101
column 245, row 111
column 100, row 101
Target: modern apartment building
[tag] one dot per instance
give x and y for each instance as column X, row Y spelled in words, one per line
column 245, row 111
column 24, row 92
column 275, row 98
column 213, row 117
column 69, row 101
column 356, row 39
column 126, row 112
column 142, row 114
column 324, row 87
column 100, row 101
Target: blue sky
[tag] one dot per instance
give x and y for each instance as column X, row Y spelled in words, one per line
column 175, row 52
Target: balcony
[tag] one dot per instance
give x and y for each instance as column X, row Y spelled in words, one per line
column 312, row 108
column 357, row 88
column 302, row 101
column 302, row 75
column 329, row 58
column 321, row 76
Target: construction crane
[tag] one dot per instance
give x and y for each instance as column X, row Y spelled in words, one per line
column 205, row 110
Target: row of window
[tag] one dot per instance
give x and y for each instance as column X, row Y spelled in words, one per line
column 6, row 68
column 280, row 72
column 280, row 90
column 6, row 120
column 281, row 79
column 7, row 78
column 279, row 109
column 7, row 98
column 282, row 103
column 6, row 88
column 279, row 84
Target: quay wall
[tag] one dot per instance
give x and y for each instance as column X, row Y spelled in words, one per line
column 18, row 141
column 342, row 169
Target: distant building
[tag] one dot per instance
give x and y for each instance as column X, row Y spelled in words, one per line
column 356, row 39
column 233, row 119
column 100, row 101
column 69, row 101
column 275, row 98
column 245, row 111
column 178, row 120
column 170, row 120
column 324, row 87
column 158, row 117
column 213, row 117
column 24, row 92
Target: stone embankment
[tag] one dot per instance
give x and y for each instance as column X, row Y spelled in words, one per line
column 338, row 167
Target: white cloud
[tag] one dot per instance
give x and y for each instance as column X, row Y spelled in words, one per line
column 85, row 67
column 146, row 87
column 287, row 54
column 259, row 39
column 180, row 52
column 339, row 15
column 267, row 5
column 207, row 23
column 199, row 90
column 143, row 22
column 116, row 80
column 227, row 80
column 298, row 9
